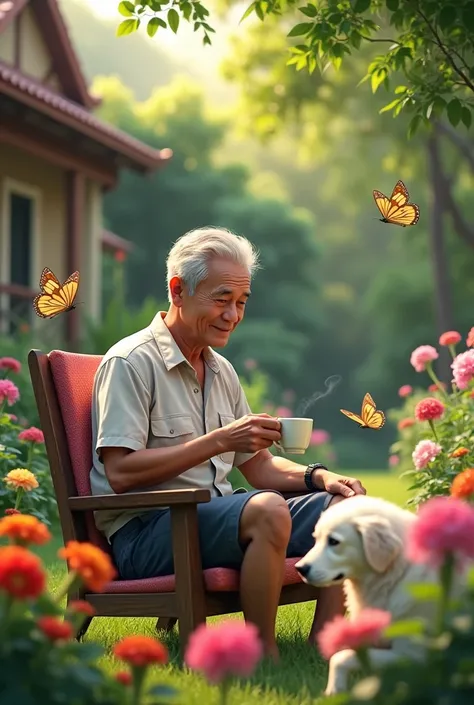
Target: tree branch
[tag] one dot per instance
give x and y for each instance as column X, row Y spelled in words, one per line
column 369, row 39
column 448, row 56
column 465, row 147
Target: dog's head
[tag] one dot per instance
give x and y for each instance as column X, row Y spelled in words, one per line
column 352, row 538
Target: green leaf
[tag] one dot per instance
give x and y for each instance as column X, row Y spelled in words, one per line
column 405, row 627
column 392, row 5
column 377, row 78
column 447, row 16
column 466, row 117
column 127, row 27
column 390, row 106
column 414, row 125
column 186, row 9
column 153, row 26
column 468, row 17
column 309, row 10
column 454, row 111
column 426, row 592
column 126, row 8
column 300, row 29
column 361, row 5
column 173, row 20
column 355, row 39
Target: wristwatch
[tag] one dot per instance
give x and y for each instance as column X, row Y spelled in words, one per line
column 308, row 475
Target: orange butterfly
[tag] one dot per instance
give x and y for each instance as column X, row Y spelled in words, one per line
column 396, row 209
column 55, row 298
column 369, row 417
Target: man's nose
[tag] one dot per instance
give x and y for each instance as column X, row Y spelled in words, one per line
column 231, row 314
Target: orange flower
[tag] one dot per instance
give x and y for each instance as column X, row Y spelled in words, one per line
column 24, row 528
column 90, row 562
column 20, row 478
column 141, row 651
column 470, row 339
column 21, row 572
column 54, row 628
column 405, row 423
column 81, row 607
column 124, row 677
column 463, row 484
column 459, row 452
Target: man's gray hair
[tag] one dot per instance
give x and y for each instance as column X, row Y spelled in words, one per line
column 189, row 257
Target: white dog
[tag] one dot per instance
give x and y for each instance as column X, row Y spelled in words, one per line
column 360, row 542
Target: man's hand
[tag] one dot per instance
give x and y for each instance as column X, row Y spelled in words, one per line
column 339, row 484
column 249, row 434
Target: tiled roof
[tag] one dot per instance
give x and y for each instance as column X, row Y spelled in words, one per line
column 34, row 94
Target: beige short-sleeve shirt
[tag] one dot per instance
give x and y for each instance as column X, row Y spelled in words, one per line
column 146, row 395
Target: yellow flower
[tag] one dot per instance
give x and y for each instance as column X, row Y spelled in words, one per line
column 20, row 478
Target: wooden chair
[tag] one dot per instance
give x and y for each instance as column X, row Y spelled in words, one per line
column 62, row 384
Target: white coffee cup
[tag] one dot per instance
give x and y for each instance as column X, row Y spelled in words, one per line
column 295, row 435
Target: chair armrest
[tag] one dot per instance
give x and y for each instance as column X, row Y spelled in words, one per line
column 139, row 500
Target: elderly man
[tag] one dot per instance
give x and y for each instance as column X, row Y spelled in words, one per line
column 169, row 412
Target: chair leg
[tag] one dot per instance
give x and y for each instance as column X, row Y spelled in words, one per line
column 83, row 628
column 165, row 623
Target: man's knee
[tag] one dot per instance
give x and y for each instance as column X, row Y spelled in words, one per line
column 266, row 516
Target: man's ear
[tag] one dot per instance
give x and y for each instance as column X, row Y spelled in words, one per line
column 381, row 544
column 176, row 291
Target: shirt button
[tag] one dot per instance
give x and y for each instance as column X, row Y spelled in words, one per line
column 196, row 390
column 171, row 430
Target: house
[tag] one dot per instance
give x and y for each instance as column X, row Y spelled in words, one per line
column 56, row 161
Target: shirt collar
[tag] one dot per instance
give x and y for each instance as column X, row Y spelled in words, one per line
column 169, row 349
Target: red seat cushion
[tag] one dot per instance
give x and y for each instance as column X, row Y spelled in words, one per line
column 215, row 580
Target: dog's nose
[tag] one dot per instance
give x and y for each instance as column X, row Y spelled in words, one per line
column 303, row 569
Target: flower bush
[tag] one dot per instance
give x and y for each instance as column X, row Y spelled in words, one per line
column 41, row 660
column 436, row 429
column 25, row 477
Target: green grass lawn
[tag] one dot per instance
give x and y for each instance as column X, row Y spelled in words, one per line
column 301, row 675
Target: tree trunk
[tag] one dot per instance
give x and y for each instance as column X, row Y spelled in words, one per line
column 442, row 286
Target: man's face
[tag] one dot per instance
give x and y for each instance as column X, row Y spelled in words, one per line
column 218, row 304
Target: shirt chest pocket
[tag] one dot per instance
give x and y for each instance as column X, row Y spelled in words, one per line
column 229, row 456
column 171, row 430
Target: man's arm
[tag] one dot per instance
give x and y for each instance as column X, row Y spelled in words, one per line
column 267, row 471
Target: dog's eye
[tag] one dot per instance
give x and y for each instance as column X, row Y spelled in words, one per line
column 333, row 542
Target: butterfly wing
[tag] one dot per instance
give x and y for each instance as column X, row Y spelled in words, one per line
column 371, row 417
column 353, row 417
column 56, row 297
column 396, row 209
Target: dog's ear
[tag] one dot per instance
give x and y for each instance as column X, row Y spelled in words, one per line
column 381, row 544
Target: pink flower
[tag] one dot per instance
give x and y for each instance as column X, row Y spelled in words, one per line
column 32, row 434
column 405, row 390
column 341, row 633
column 12, row 417
column 451, row 337
column 425, row 452
column 393, row 460
column 421, row 356
column 463, row 369
column 443, row 525
column 230, row 648
column 10, row 363
column 8, row 392
column 319, row 437
column 470, row 339
column 283, row 412
column 429, row 409
column 250, row 364
column 405, row 423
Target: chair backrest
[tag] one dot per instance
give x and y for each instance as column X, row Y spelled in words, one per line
column 62, row 383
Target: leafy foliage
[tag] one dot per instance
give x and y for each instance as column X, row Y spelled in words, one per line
column 432, row 44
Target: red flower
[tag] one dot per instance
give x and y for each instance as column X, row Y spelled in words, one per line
column 429, row 409
column 81, row 607
column 124, row 677
column 405, row 390
column 141, row 651
column 451, row 337
column 120, row 256
column 405, row 423
column 11, row 512
column 55, row 629
column 21, row 572
column 10, row 363
column 32, row 434
column 435, row 387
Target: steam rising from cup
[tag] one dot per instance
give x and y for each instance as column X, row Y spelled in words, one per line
column 330, row 383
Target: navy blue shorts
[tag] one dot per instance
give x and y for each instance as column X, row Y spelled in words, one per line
column 143, row 549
